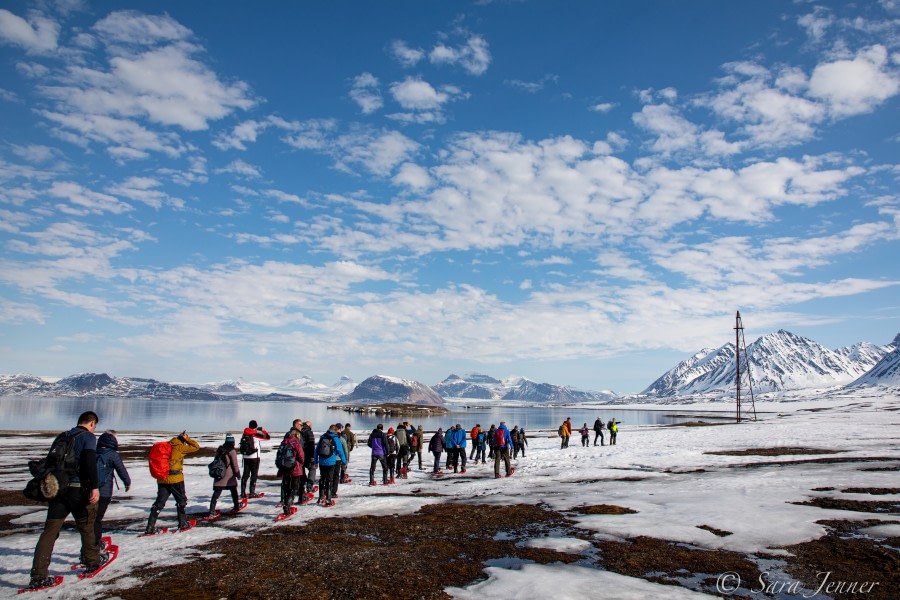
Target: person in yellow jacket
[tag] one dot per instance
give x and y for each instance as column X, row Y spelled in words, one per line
column 173, row 485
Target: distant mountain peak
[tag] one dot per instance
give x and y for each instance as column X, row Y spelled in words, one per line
column 781, row 360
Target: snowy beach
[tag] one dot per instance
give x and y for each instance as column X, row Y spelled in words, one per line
column 749, row 490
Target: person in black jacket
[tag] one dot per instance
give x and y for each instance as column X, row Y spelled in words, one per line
column 80, row 500
column 309, row 450
column 598, row 431
column 436, row 447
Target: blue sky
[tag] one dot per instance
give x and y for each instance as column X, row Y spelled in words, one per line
column 580, row 193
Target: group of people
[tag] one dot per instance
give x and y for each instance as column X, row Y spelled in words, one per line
column 565, row 432
column 300, row 455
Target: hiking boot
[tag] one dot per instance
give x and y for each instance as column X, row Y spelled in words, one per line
column 104, row 558
column 151, row 521
column 41, row 582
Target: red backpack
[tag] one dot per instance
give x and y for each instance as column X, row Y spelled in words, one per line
column 500, row 438
column 160, row 455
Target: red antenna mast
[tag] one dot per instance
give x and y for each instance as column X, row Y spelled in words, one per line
column 741, row 345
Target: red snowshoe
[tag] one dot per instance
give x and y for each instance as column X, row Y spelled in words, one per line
column 112, row 553
column 53, row 581
column 283, row 516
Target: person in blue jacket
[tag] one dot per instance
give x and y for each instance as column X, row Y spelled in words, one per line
column 456, row 446
column 109, row 464
column 328, row 450
column 502, row 444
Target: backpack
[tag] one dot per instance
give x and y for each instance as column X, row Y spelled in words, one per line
column 500, row 438
column 247, row 446
column 159, row 458
column 104, row 468
column 391, row 445
column 285, row 458
column 218, row 466
column 562, row 431
column 54, row 472
column 326, row 446
column 413, row 440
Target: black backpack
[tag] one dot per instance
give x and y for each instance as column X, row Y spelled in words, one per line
column 53, row 473
column 325, row 447
column 218, row 466
column 285, row 458
column 246, row 445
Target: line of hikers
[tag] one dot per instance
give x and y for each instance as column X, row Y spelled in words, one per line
column 79, row 472
column 565, row 432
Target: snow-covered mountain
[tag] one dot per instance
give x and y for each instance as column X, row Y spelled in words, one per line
column 886, row 371
column 305, row 387
column 477, row 386
column 380, row 389
column 778, row 361
column 101, row 385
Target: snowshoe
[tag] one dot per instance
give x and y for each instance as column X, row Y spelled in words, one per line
column 372, row 484
column 110, row 554
column 213, row 516
column 42, row 584
column 511, row 471
column 239, row 508
column 392, row 480
column 190, row 525
column 463, row 471
column 283, row 516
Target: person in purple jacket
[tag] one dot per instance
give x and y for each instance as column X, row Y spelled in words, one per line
column 377, row 444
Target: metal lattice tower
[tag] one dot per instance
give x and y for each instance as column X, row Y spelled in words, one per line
column 740, row 347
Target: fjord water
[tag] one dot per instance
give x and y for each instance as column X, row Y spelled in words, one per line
column 136, row 414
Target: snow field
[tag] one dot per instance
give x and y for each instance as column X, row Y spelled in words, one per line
column 653, row 470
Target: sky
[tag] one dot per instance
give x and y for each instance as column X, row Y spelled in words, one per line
column 582, row 195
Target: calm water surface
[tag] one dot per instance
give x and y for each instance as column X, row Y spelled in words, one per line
column 134, row 414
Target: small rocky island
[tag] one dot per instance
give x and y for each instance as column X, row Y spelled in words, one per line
column 392, row 409
column 380, row 395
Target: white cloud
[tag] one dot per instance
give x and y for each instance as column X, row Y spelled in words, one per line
column 412, row 176
column 37, row 35
column 379, row 152
column 142, row 189
column 416, row 94
column 816, row 23
column 84, row 201
column 132, row 28
column 474, row 56
column 242, row 168
column 144, row 72
column 17, row 312
column 240, row 135
column 366, row 94
column 603, row 107
column 857, row 85
column 285, row 197
column 35, row 153
column 532, row 87
column 405, row 55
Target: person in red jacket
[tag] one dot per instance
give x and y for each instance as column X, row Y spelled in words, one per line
column 474, row 435
column 292, row 479
column 249, row 448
